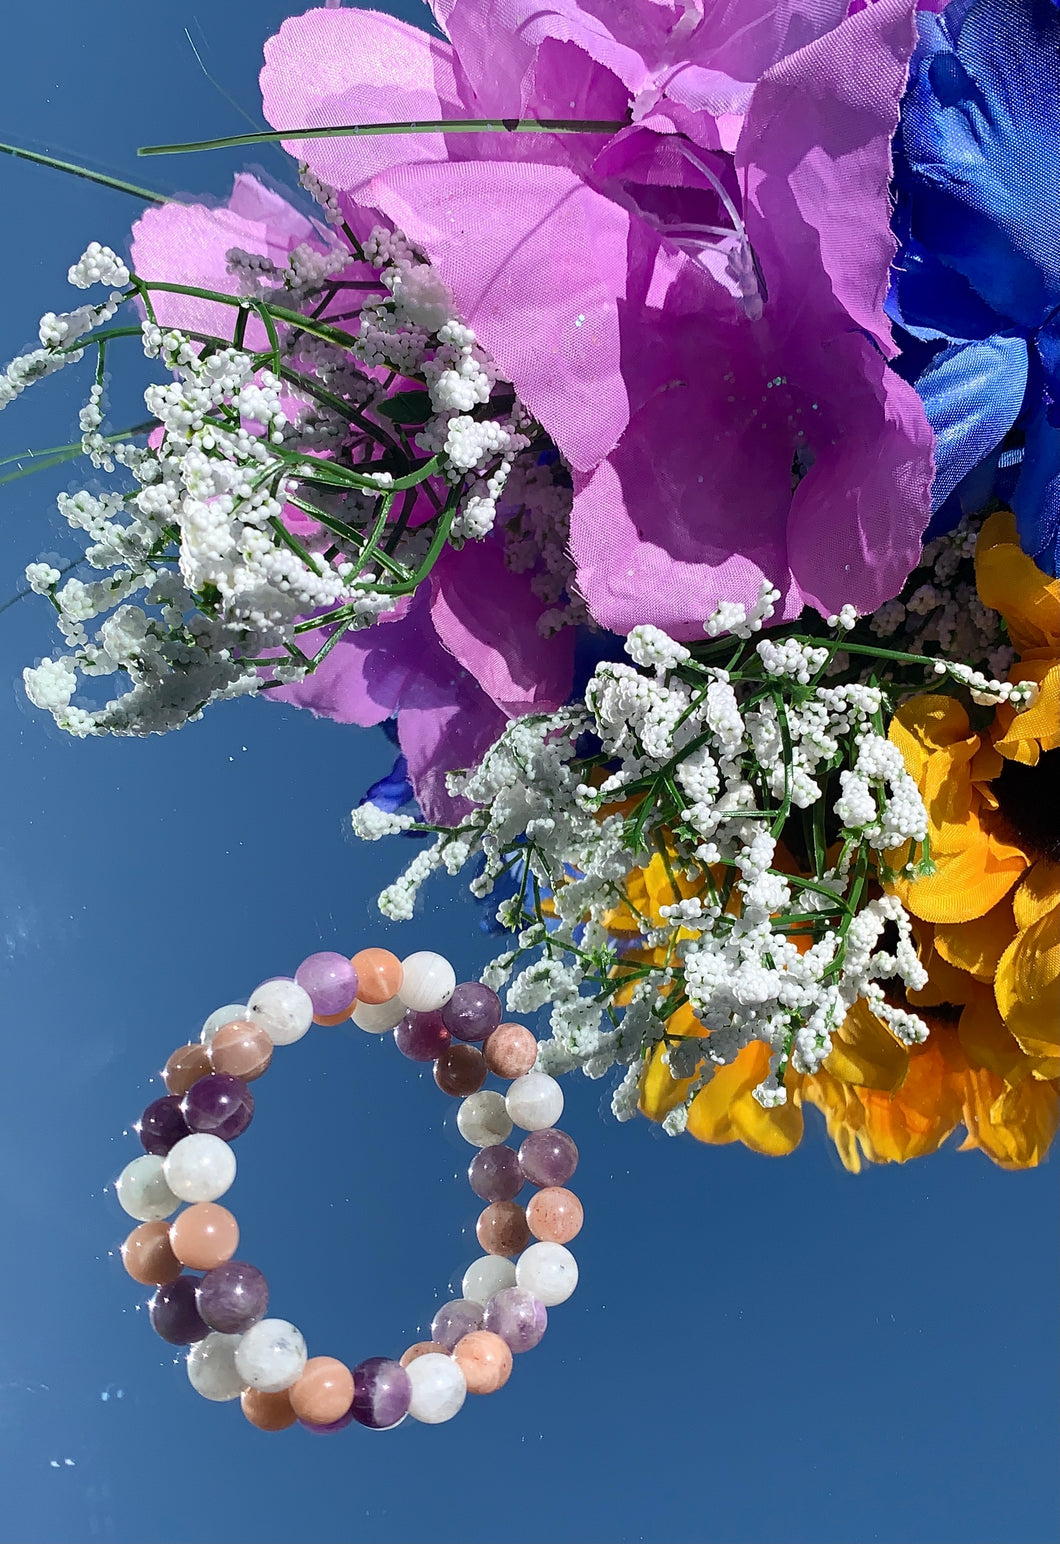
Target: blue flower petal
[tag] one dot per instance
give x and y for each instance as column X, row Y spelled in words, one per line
column 1036, row 500
column 972, row 393
column 393, row 790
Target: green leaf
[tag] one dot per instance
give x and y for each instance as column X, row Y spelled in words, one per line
column 406, row 407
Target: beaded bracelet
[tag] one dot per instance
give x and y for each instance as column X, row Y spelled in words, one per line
column 236, row 1352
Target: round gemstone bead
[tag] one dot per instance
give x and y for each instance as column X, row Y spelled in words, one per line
column 186, row 1066
column 518, row 1317
column 242, row 1049
column 483, row 1119
column 328, row 1428
column 494, row 1174
column 421, row 1036
column 204, row 1236
column 439, row 1388
column 232, row 1297
column 548, row 1157
column 220, row 1104
column 379, row 1018
column 229, row 1014
column 382, row 1390
column 549, row 1271
column 200, row 1168
column 331, row 981
column 486, row 1277
column 162, row 1125
column 455, row 1320
column 378, row 977
column 472, row 1012
column 501, row 1228
column 324, row 1392
column 174, row 1314
column 485, row 1360
column 461, row 1070
column 142, row 1190
column 212, row 1368
column 534, row 1101
column 271, row 1356
column 422, row 1348
column 555, row 1215
column 148, row 1256
column 282, row 1008
column 268, row 1412
column 427, row 981
column 510, row 1051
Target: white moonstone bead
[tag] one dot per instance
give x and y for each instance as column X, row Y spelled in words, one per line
column 534, row 1101
column 427, row 981
column 142, row 1190
column 212, row 1368
column 379, row 1018
column 549, row 1271
column 482, row 1119
column 199, row 1167
column 270, row 1356
column 439, row 1388
column 283, row 1009
column 220, row 1016
column 486, row 1276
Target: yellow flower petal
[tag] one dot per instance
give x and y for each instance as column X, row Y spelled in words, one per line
column 1022, row 736
column 978, row 944
column 1038, row 892
column 865, row 1054
column 1027, row 986
column 1012, row 583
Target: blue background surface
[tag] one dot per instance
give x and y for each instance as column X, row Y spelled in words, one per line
column 758, row 1351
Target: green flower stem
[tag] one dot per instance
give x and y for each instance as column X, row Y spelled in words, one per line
column 74, row 170
column 57, row 455
column 426, row 126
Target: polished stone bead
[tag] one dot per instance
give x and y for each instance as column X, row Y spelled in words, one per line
column 422, row 1348
column 534, row 1101
column 233, row 1296
column 229, row 1014
column 494, row 1174
column 485, row 1360
column 243, row 1049
column 268, row 1412
column 142, row 1190
column 324, row 1392
column 328, row 1428
column 282, row 1008
column 212, row 1368
column 427, row 981
column 382, row 1390
column 549, row 1271
column 501, row 1228
column 455, row 1320
column 174, row 1314
column 510, row 1051
column 378, row 1018
column 461, row 1070
column 422, row 1036
column 518, row 1317
column 220, row 1104
column 548, row 1157
column 162, row 1125
column 204, row 1236
column 482, row 1119
column 148, row 1256
column 271, row 1355
column 439, row 1389
column 555, row 1215
column 186, row 1066
column 200, row 1168
column 331, row 981
column 487, row 1276
column 472, row 1012
column 378, row 977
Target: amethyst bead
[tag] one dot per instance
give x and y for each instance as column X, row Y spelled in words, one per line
column 422, row 1036
column 330, row 980
column 232, row 1297
column 455, row 1320
column 517, row 1316
column 324, row 1431
column 174, row 1314
column 473, row 1011
column 495, row 1175
column 162, row 1125
column 382, row 1391
column 548, row 1157
column 219, row 1104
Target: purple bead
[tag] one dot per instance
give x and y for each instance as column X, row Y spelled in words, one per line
column 473, row 1011
column 517, row 1316
column 162, row 1125
column 422, row 1036
column 455, row 1320
column 219, row 1104
column 174, row 1314
column 330, row 980
column 324, row 1431
column 382, row 1390
column 495, row 1175
column 232, row 1297
column 548, row 1157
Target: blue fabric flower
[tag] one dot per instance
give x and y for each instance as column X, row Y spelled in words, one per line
column 977, row 279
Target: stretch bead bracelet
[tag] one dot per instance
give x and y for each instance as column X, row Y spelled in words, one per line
column 236, row 1352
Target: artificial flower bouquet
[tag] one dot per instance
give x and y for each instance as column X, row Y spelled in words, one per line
column 650, row 411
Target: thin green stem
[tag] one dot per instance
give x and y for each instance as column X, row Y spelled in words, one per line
column 426, row 126
column 74, row 170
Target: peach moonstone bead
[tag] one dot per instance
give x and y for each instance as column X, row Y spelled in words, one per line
column 502, row 1228
column 485, row 1360
column 186, row 1066
column 204, row 1236
column 423, row 1348
column 324, row 1392
column 268, row 1412
column 510, row 1051
column 242, row 1049
column 379, row 975
column 555, row 1215
column 148, row 1256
